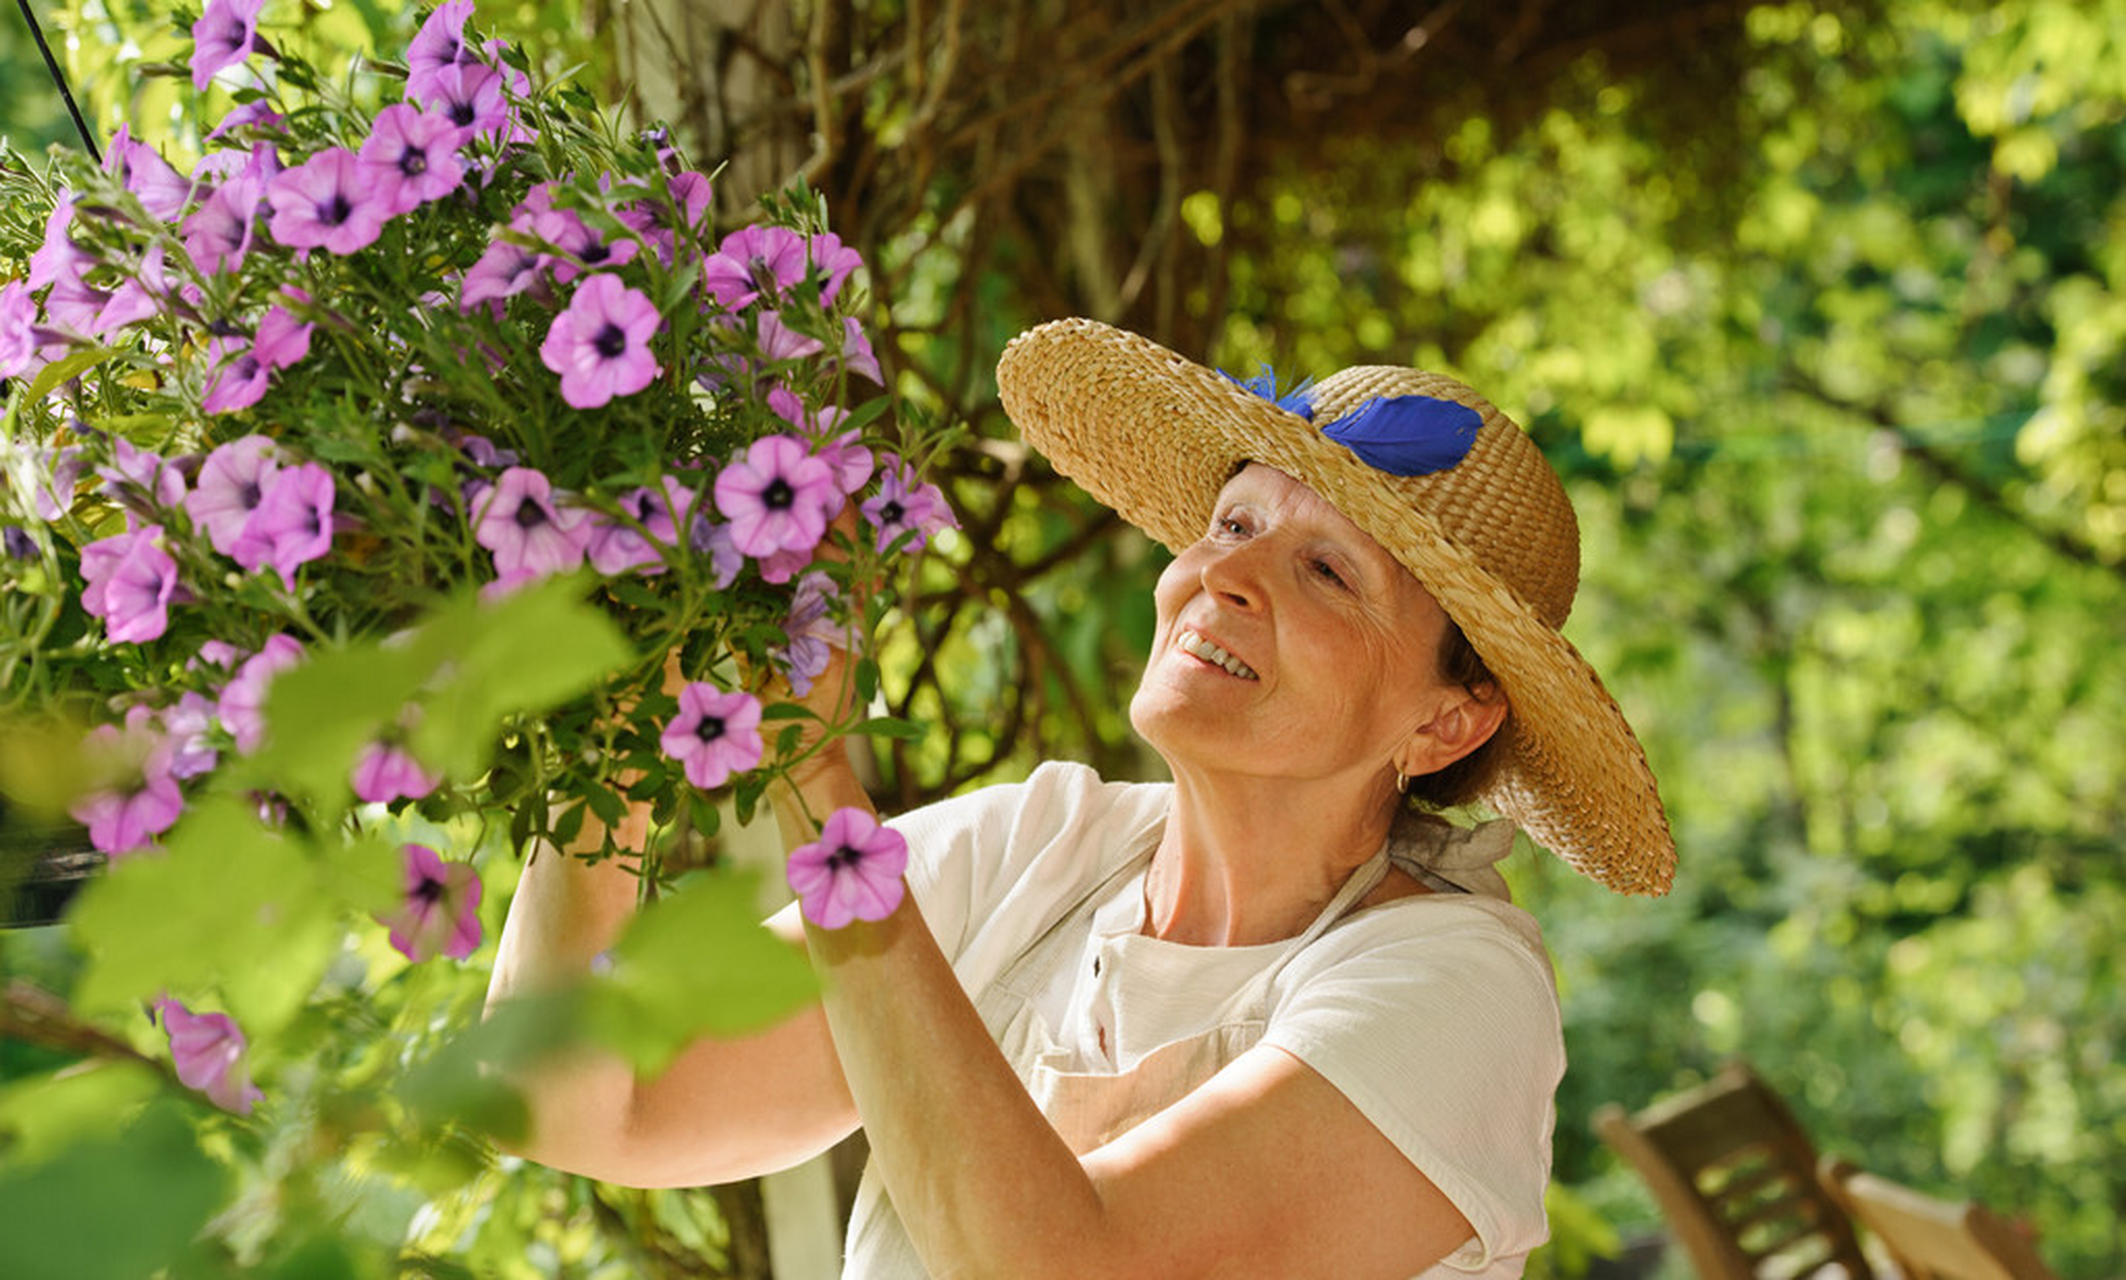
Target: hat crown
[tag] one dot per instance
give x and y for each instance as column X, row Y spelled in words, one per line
column 1502, row 504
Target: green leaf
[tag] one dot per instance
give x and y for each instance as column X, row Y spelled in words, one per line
column 41, row 1116
column 121, row 1206
column 889, row 727
column 61, row 371
column 321, row 712
column 229, row 904
column 538, row 647
column 698, row 962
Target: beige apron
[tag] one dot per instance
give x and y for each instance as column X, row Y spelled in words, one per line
column 1091, row 1108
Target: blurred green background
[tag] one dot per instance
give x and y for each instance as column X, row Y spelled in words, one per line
column 1818, row 307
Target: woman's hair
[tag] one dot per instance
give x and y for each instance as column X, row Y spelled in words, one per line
column 1466, row 778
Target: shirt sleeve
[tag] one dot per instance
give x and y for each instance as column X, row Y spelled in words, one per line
column 1438, row 1018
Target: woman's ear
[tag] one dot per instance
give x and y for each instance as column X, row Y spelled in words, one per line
column 1465, row 723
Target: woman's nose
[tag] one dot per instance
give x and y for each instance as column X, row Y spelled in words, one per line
column 1233, row 574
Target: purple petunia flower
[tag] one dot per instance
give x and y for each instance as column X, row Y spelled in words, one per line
column 780, row 342
column 385, row 772
column 505, row 270
column 144, row 482
column 751, row 261
column 129, row 580
column 412, row 156
column 845, row 454
column 19, row 348
column 241, row 372
column 779, row 498
column 243, row 699
column 138, row 297
column 470, row 97
column 258, row 113
column 617, row 546
column 328, row 202
column 60, row 470
column 529, row 535
column 186, row 726
column 600, row 345
column 231, row 484
column 857, row 356
column 58, row 257
column 208, row 1051
column 714, row 735
column 835, row 261
column 852, row 872
column 161, row 190
column 725, row 559
column 813, row 633
column 902, row 506
column 224, row 34
column 292, row 525
column 437, row 47
column 218, row 234
column 127, row 818
column 441, row 913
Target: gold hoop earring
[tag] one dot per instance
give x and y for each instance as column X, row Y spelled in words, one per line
column 1402, row 783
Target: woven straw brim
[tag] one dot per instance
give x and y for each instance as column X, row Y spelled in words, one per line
column 1155, row 436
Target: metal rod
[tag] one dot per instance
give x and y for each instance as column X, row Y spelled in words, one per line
column 51, row 64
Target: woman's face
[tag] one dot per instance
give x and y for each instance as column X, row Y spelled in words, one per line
column 1289, row 643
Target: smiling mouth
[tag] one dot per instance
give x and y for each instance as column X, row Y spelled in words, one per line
column 1191, row 643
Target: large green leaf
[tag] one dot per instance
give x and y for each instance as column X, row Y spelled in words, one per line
column 230, row 904
column 698, row 962
column 121, row 1206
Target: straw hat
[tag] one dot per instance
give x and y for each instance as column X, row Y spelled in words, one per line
column 1471, row 508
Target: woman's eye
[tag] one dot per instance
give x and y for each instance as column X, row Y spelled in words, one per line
column 1232, row 526
column 1323, row 569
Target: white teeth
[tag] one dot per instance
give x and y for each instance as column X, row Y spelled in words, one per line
column 1190, row 642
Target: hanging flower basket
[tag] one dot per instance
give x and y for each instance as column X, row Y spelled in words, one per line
column 418, row 474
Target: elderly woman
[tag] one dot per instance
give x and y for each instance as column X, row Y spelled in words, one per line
column 1274, row 1018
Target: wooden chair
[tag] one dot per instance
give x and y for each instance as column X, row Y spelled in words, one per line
column 1929, row 1238
column 1735, row 1176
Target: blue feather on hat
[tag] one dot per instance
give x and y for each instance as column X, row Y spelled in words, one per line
column 1408, row 435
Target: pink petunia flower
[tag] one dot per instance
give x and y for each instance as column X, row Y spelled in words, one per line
column 126, row 818
column 129, row 581
column 813, row 633
column 136, row 298
column 224, row 34
column 834, row 261
column 412, row 156
column 208, row 1051
column 617, row 546
column 161, row 190
column 187, row 726
column 505, row 270
column 529, row 535
column 144, row 481
column 845, row 454
column 441, row 913
column 19, row 348
column 385, row 772
column 232, row 482
column 902, row 506
column 258, row 113
column 218, row 234
column 60, row 470
column 754, row 260
column 292, row 525
column 857, row 356
column 778, row 498
column 243, row 699
column 470, row 97
column 780, row 342
column 600, row 345
column 714, row 735
column 852, row 872
column 328, row 202
column 58, row 256
column 437, row 47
